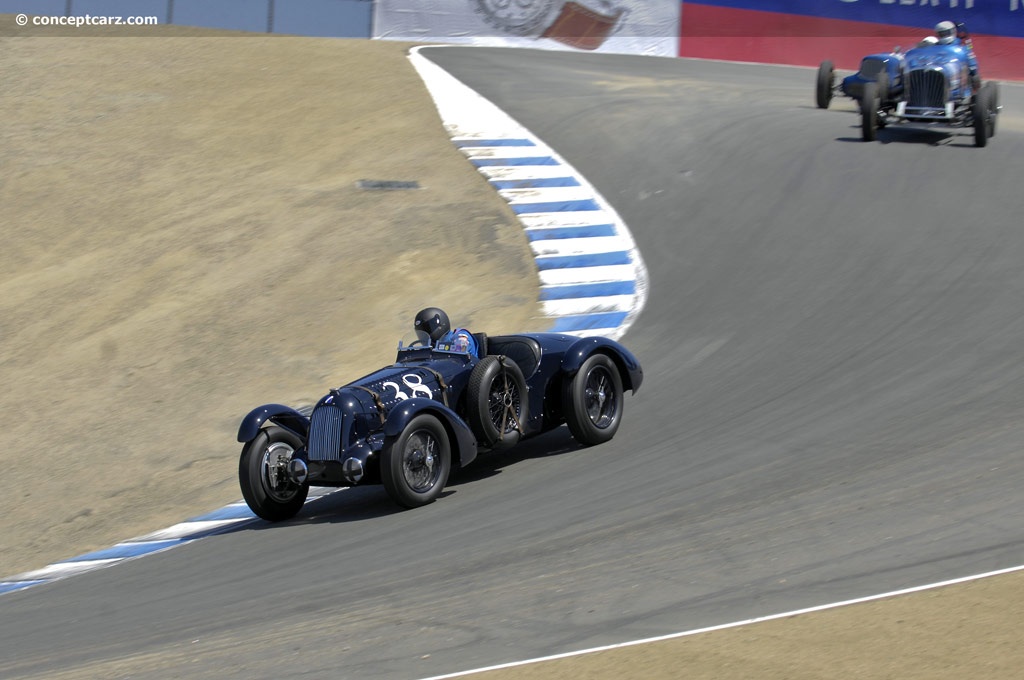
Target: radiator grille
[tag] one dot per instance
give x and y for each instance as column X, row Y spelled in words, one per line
column 325, row 433
column 927, row 88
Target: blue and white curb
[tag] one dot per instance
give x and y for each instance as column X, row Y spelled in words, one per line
column 592, row 278
column 228, row 518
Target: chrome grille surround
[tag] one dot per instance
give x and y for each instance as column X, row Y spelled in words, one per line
column 927, row 88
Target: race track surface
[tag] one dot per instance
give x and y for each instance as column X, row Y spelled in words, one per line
column 834, row 373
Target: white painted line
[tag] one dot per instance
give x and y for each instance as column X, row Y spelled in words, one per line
column 561, row 277
column 504, row 152
column 185, row 532
column 63, row 570
column 565, row 219
column 580, row 334
column 610, row 303
column 321, row 491
column 725, row 626
column 546, row 194
column 186, row 529
column 511, row 172
column 560, row 247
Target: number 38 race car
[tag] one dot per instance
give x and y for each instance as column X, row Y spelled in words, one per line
column 449, row 396
column 935, row 84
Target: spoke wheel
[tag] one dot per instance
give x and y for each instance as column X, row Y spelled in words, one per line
column 594, row 401
column 496, row 402
column 599, row 397
column 415, row 465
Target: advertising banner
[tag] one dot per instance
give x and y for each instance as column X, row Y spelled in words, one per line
column 649, row 27
column 805, row 32
column 991, row 17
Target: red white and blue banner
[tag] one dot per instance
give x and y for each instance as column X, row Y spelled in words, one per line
column 991, row 17
column 805, row 32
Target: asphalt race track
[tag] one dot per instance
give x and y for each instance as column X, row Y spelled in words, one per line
column 834, row 374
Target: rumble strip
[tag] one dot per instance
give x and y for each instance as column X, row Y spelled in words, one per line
column 592, row 278
column 228, row 518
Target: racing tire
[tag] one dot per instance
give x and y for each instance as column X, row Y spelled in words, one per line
column 993, row 105
column 414, row 466
column 496, row 402
column 825, row 84
column 882, row 82
column 869, row 112
column 982, row 114
column 593, row 401
column 267, row 490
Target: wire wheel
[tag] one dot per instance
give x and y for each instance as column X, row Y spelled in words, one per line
column 496, row 402
column 593, row 401
column 421, row 464
column 415, row 465
column 505, row 404
column 600, row 398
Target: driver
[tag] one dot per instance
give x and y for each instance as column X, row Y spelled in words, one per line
column 958, row 43
column 432, row 327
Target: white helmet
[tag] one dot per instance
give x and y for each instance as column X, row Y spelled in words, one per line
column 945, row 31
column 928, row 40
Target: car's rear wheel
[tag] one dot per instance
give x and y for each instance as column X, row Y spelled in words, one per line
column 869, row 104
column 414, row 465
column 496, row 402
column 982, row 114
column 593, row 401
column 266, row 486
column 825, row 84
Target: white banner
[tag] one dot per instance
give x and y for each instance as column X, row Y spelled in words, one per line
column 649, row 27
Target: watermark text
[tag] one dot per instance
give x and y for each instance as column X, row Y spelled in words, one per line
column 84, row 20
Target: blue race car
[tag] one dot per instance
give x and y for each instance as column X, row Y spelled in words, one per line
column 410, row 424
column 934, row 84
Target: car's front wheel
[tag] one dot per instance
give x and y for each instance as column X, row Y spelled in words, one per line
column 414, row 465
column 869, row 104
column 262, row 473
column 882, row 82
column 983, row 115
column 993, row 105
column 825, row 84
column 593, row 401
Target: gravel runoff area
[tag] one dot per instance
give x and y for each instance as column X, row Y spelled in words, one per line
column 184, row 238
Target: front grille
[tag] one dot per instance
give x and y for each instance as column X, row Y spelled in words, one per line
column 927, row 88
column 325, row 433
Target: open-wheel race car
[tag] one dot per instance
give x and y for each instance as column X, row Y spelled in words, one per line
column 441, row 403
column 932, row 85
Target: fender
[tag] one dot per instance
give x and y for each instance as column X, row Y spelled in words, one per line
column 581, row 350
column 464, row 448
column 279, row 414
